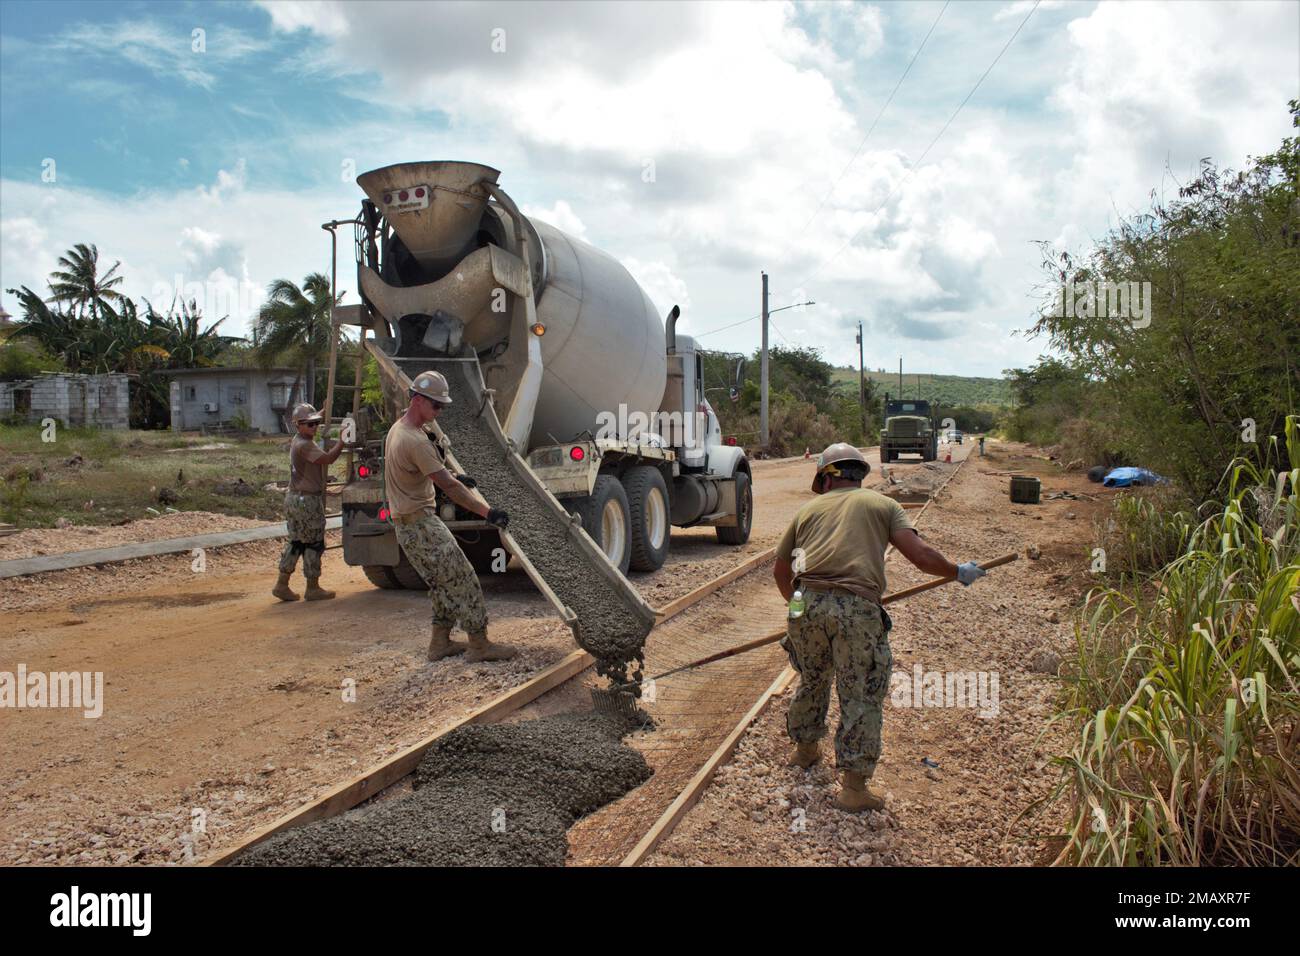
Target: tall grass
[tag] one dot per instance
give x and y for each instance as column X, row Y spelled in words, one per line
column 1184, row 690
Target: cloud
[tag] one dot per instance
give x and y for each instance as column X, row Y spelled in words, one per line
column 1151, row 86
column 663, row 286
column 560, row 215
column 1022, row 7
column 152, row 46
column 221, row 245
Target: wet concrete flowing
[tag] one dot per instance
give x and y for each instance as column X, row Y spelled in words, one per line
column 609, row 629
column 485, row 795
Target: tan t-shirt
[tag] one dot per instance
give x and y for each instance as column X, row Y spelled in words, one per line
column 307, row 473
column 409, row 459
column 843, row 535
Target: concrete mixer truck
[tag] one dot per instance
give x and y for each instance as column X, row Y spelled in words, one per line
column 601, row 398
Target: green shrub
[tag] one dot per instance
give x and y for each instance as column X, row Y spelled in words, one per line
column 1184, row 692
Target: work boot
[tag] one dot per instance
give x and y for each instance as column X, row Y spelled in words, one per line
column 805, row 755
column 282, row 589
column 315, row 592
column 441, row 645
column 855, row 796
column 481, row 649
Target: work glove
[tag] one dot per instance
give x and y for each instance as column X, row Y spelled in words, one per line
column 467, row 481
column 499, row 519
column 967, row 573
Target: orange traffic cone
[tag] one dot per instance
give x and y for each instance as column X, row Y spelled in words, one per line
column 807, row 452
column 948, row 458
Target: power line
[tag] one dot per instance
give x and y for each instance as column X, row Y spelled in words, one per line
column 872, row 128
column 731, row 326
column 936, row 139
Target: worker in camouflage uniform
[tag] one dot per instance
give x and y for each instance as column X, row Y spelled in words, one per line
column 412, row 469
column 834, row 553
column 304, row 506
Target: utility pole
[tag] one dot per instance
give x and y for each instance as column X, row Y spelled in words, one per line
column 762, row 403
column 862, row 383
column 900, row 376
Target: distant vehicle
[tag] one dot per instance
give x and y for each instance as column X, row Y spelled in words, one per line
column 954, row 436
column 909, row 430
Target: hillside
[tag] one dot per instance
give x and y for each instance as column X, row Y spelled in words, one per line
column 947, row 389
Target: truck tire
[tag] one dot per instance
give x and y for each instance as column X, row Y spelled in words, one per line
column 647, row 498
column 605, row 512
column 380, row 576
column 480, row 550
column 407, row 577
column 745, row 519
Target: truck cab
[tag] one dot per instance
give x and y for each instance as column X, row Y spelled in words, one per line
column 909, row 430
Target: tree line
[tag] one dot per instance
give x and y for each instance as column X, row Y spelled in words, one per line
column 1209, row 371
column 85, row 324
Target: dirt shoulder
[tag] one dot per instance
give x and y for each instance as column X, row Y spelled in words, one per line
column 1014, row 624
column 220, row 699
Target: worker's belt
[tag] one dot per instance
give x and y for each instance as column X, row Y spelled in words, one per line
column 802, row 585
column 833, row 589
column 413, row 517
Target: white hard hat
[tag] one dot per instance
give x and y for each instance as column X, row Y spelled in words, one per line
column 834, row 454
column 432, row 386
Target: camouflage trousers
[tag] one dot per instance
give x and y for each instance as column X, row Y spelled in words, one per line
column 846, row 637
column 305, row 516
column 453, row 585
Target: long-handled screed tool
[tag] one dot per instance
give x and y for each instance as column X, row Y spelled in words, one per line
column 618, row 700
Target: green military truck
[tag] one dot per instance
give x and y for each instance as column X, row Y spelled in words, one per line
column 909, row 430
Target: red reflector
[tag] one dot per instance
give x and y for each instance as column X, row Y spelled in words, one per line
column 388, row 198
column 363, row 471
column 403, row 195
column 731, row 439
column 419, row 193
column 577, row 453
column 383, row 514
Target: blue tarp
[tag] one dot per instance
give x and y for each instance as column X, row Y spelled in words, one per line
column 1123, row 477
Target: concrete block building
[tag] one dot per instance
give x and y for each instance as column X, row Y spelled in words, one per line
column 74, row 400
column 211, row 397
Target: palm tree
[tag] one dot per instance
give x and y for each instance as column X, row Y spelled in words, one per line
column 80, row 283
column 63, row 335
column 181, row 331
column 295, row 322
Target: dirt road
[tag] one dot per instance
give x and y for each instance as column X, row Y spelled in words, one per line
column 986, row 760
column 225, row 709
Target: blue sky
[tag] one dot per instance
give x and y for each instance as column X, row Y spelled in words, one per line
column 217, row 165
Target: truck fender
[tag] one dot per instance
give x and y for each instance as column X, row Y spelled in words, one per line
column 724, row 460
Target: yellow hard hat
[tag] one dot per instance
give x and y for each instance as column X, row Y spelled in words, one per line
column 306, row 413
column 432, row 386
column 833, row 455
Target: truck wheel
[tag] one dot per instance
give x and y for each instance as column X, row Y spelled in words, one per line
column 480, row 550
column 605, row 518
column 407, row 577
column 380, row 577
column 745, row 518
column 647, row 497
